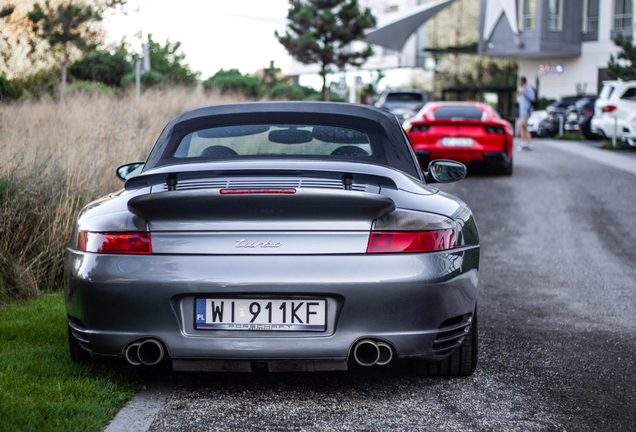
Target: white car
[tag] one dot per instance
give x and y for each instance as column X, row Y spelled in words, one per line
column 615, row 108
column 629, row 134
column 534, row 120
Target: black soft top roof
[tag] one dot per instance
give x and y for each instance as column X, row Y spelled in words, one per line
column 388, row 140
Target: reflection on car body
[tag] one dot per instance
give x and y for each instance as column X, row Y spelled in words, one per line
column 285, row 236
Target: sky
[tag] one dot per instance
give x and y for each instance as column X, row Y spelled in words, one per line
column 211, row 35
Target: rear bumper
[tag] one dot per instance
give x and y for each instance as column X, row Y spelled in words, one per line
column 400, row 298
column 488, row 159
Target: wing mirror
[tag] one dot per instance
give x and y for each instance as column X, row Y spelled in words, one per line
column 126, row 171
column 444, row 171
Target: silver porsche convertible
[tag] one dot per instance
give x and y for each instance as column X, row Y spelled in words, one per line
column 278, row 236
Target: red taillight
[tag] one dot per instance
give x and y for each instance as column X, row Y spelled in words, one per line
column 419, row 128
column 587, row 112
column 411, row 241
column 608, row 108
column 495, row 129
column 257, row 191
column 116, row 242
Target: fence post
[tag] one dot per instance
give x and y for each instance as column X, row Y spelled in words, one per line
column 615, row 132
column 137, row 80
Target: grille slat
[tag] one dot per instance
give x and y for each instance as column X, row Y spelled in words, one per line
column 451, row 334
column 263, row 183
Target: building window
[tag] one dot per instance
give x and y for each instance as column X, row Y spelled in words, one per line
column 623, row 10
column 528, row 9
column 554, row 14
column 590, row 20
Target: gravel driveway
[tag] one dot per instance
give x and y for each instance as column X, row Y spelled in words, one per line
column 557, row 326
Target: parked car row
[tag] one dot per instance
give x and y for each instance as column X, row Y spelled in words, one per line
column 575, row 112
column 474, row 133
column 612, row 113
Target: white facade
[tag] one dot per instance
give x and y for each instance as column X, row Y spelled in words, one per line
column 564, row 53
column 579, row 71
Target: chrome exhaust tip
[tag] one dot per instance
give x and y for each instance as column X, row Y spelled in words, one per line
column 150, row 352
column 366, row 353
column 386, row 354
column 132, row 354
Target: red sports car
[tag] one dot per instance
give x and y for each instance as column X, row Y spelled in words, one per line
column 467, row 132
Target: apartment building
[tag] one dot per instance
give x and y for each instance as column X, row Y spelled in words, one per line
column 563, row 46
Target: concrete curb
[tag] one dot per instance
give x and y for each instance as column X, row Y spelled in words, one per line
column 613, row 159
column 139, row 413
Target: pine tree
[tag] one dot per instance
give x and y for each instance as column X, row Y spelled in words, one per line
column 169, row 60
column 321, row 31
column 65, row 25
column 625, row 70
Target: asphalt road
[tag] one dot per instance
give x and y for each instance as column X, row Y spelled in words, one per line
column 557, row 326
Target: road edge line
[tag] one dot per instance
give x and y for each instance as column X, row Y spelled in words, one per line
column 605, row 157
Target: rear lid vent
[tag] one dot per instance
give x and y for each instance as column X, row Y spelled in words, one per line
column 264, row 183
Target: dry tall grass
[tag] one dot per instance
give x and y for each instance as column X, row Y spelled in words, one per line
column 55, row 158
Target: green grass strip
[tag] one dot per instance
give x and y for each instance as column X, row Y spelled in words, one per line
column 41, row 389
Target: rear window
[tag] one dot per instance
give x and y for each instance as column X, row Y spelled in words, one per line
column 274, row 140
column 606, row 92
column 404, row 97
column 585, row 103
column 630, row 94
column 461, row 112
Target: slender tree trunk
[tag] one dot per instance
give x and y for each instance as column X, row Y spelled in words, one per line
column 64, row 62
column 323, row 93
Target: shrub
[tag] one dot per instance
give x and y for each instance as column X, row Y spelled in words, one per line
column 284, row 91
column 27, row 264
column 231, row 81
column 222, row 73
column 333, row 97
column 7, row 92
column 41, row 84
column 103, row 67
column 544, row 102
column 149, row 79
column 89, row 87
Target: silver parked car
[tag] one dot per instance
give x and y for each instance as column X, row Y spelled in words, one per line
column 404, row 103
column 286, row 236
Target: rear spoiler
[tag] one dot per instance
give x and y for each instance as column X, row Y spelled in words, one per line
column 302, row 204
column 142, row 181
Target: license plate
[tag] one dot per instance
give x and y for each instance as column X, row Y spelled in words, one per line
column 457, row 142
column 259, row 314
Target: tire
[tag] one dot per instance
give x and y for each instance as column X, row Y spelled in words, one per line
column 591, row 136
column 462, row 362
column 506, row 169
column 78, row 354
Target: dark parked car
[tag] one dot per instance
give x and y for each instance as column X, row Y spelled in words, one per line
column 579, row 118
column 403, row 103
column 549, row 127
column 279, row 236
